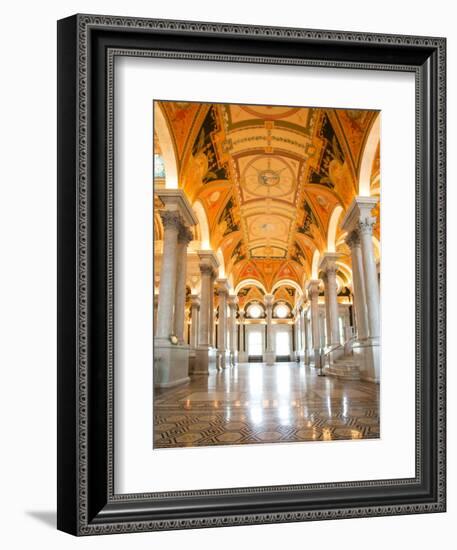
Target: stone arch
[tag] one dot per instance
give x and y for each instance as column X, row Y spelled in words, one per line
column 368, row 156
column 200, row 212
column 250, row 282
column 315, row 265
column 220, row 257
column 167, row 147
column 332, row 227
column 287, row 282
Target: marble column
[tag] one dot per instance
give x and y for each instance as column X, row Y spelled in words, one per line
column 184, row 238
column 359, row 222
column 360, row 303
column 269, row 355
column 194, row 313
column 328, row 265
column 328, row 326
column 206, row 273
column 371, row 276
column 172, row 223
column 156, row 305
column 313, row 293
column 242, row 355
column 222, row 293
column 171, row 355
column 232, row 303
column 206, row 355
column 212, row 324
column 297, row 334
column 305, row 339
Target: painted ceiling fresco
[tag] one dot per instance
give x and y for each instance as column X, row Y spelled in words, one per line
column 269, row 179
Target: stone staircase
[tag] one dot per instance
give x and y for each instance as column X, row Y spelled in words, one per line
column 345, row 367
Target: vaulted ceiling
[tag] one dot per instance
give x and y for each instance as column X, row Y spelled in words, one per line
column 269, row 179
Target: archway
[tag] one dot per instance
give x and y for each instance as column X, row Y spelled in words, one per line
column 332, row 227
column 203, row 224
column 167, row 148
column 250, row 282
column 368, row 156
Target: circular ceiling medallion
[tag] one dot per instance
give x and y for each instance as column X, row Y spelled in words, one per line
column 269, row 177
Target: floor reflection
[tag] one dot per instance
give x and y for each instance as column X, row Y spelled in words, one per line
column 253, row 403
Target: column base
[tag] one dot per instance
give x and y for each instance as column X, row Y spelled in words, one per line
column 233, row 358
column 223, row 359
column 205, row 360
column 315, row 358
column 269, row 357
column 171, row 364
column 243, row 357
column 192, row 360
column 367, row 352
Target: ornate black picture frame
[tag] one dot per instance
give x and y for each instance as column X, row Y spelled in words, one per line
column 87, row 46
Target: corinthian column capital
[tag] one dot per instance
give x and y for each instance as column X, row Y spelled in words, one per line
column 206, row 269
column 171, row 219
column 328, row 264
column 353, row 239
column 184, row 235
column 365, row 225
column 313, row 288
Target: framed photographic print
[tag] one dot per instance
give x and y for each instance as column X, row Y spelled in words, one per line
column 251, row 274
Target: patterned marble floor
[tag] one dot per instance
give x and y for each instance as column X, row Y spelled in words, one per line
column 253, row 403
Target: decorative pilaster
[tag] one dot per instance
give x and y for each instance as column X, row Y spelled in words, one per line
column 205, row 355
column 306, row 337
column 212, row 324
column 328, row 266
column 371, row 277
column 232, row 303
column 313, row 294
column 206, row 273
column 222, row 292
column 269, row 355
column 172, row 223
column 328, row 326
column 194, row 314
column 242, row 355
column 360, row 303
column 156, row 305
column 297, row 346
column 184, row 238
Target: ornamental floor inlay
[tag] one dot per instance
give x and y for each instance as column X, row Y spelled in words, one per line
column 253, row 403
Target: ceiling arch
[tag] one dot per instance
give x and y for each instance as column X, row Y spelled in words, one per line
column 167, row 146
column 250, row 282
column 200, row 212
column 269, row 183
column 287, row 282
column 332, row 228
column 368, row 156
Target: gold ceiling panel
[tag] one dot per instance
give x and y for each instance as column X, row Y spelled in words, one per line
column 269, row 178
